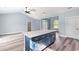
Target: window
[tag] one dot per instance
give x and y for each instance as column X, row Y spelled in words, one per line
column 56, row 24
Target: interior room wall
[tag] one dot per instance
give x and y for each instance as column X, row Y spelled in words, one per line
column 16, row 22
column 35, row 25
column 12, row 22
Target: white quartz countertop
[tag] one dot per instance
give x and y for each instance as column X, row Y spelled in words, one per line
column 38, row 33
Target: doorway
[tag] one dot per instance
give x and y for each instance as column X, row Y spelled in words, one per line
column 29, row 26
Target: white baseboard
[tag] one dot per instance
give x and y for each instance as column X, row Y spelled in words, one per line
column 68, row 36
column 62, row 35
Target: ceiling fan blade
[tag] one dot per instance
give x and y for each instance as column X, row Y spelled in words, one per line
column 27, row 12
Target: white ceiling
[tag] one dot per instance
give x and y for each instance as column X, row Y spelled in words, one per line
column 4, row 10
column 41, row 12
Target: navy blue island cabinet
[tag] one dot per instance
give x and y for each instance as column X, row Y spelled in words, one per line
column 39, row 40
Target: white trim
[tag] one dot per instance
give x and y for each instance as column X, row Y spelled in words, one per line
column 62, row 35
column 68, row 36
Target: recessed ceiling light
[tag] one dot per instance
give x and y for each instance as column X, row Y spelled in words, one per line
column 43, row 12
column 69, row 8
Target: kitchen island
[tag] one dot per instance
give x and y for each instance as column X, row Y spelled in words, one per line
column 39, row 40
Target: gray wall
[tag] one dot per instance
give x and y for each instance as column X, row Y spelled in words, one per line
column 62, row 20
column 16, row 22
column 12, row 22
column 35, row 25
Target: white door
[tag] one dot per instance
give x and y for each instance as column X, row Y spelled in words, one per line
column 77, row 27
column 69, row 26
column 72, row 26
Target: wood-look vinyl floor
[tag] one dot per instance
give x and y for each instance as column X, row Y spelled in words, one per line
column 12, row 42
column 64, row 44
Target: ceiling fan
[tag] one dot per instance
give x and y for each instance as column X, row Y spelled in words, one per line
column 28, row 11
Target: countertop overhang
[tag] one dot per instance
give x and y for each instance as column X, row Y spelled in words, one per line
column 38, row 33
